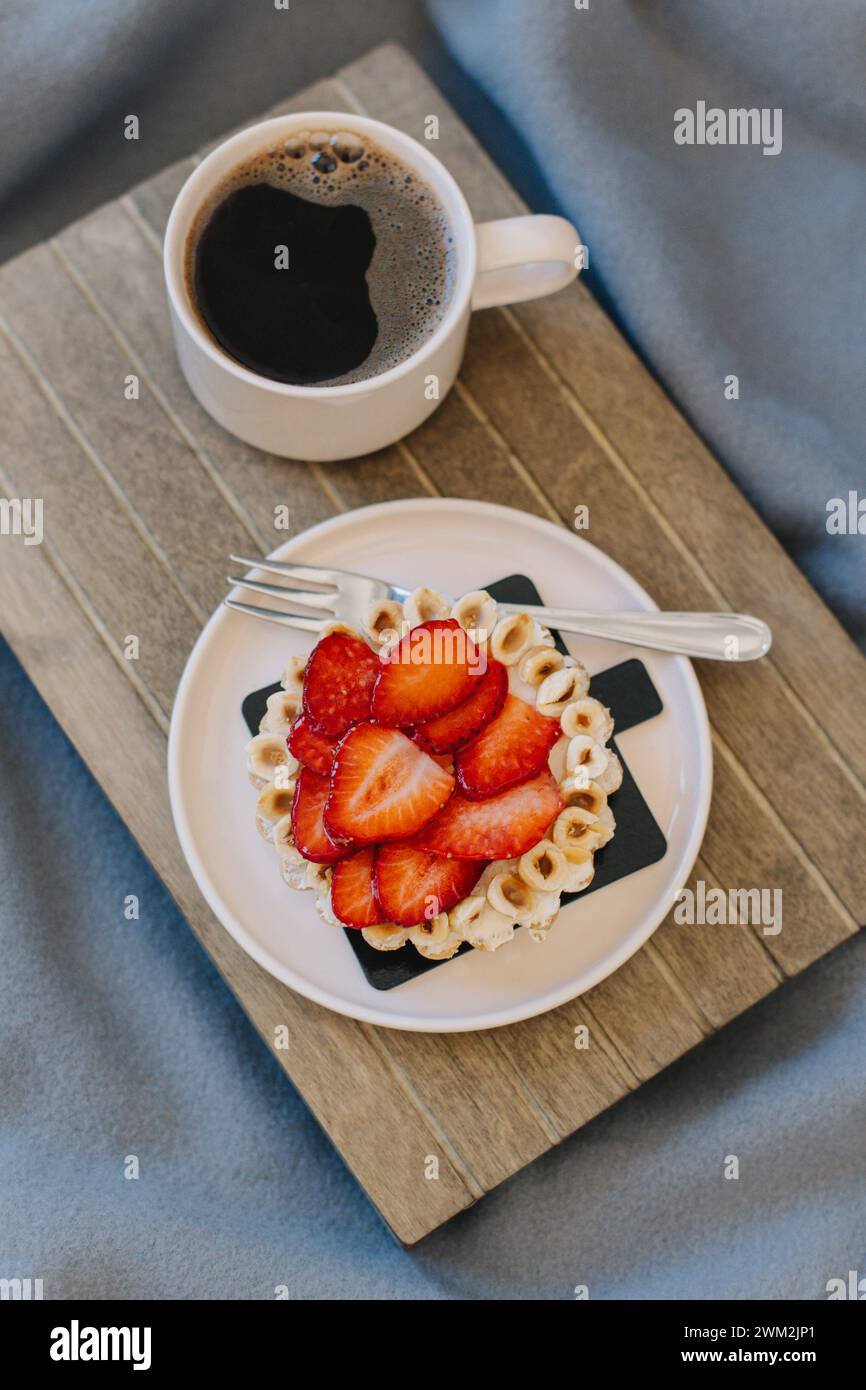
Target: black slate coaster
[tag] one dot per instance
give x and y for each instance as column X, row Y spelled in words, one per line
column 632, row 698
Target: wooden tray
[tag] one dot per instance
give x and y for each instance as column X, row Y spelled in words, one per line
column 144, row 498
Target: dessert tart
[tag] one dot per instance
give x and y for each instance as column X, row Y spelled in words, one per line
column 441, row 777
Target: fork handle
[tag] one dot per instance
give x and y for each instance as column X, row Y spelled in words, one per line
column 715, row 636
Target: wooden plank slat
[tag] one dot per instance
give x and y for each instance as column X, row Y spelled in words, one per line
column 464, row 458
column 653, row 1026
column 725, row 969
column 572, row 1084
column 745, row 850
column 159, row 476
column 552, row 409
column 493, row 1117
column 87, row 524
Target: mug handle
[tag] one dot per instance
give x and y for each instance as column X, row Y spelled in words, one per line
column 523, row 258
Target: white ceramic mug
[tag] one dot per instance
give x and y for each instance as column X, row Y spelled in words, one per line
column 498, row 262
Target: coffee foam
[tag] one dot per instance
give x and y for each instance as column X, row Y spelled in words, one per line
column 411, row 275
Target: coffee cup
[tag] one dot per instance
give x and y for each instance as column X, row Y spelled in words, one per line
column 499, row 262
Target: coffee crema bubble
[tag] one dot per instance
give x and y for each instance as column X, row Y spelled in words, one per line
column 322, row 260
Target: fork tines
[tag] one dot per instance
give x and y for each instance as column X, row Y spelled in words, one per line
column 321, row 599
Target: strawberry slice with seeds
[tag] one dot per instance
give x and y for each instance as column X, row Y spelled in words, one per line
column 353, row 896
column 312, row 748
column 338, row 683
column 459, row 725
column 414, row 886
column 383, row 786
column 308, row 827
column 433, row 669
column 502, row 827
column 510, row 749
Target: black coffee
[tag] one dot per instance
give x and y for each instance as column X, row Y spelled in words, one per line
column 322, row 261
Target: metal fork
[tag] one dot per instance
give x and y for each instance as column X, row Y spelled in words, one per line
column 337, row 595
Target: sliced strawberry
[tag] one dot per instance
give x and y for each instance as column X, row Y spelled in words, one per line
column 338, row 683
column 501, row 827
column 459, row 725
column 353, row 897
column 510, row 749
column 383, row 786
column 414, row 886
column 308, row 827
column 431, row 670
column 314, row 750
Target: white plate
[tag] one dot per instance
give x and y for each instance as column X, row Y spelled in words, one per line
column 455, row 546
